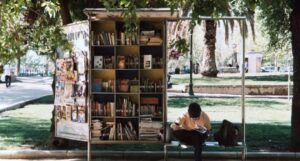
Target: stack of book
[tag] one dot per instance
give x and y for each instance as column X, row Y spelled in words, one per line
column 150, row 130
column 96, row 128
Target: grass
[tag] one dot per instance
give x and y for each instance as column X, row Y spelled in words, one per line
column 213, row 102
column 232, row 80
column 26, row 127
column 268, row 124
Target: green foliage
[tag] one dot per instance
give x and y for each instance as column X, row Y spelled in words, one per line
column 275, row 16
column 129, row 12
column 180, row 44
column 29, row 25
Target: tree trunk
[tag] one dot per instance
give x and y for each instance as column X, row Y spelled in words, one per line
column 295, row 120
column 208, row 67
column 65, row 12
column 66, row 18
column 18, row 66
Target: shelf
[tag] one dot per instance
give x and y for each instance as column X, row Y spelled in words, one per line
column 131, row 57
column 152, row 69
column 127, row 45
column 127, row 117
column 99, row 46
column 97, row 141
column 102, row 92
column 145, row 45
column 102, row 69
column 99, row 117
column 127, row 69
column 126, row 93
column 151, row 93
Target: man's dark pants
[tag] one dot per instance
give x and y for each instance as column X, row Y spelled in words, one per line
column 193, row 138
column 7, row 80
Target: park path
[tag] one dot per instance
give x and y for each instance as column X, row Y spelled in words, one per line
column 24, row 90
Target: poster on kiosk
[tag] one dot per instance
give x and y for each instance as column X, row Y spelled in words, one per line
column 71, row 103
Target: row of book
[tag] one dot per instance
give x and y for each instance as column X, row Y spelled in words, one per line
column 126, row 85
column 126, row 107
column 128, row 62
column 148, row 130
column 100, row 85
column 104, row 38
column 151, row 85
column 104, row 62
column 124, row 39
column 108, row 38
column 126, row 131
column 152, row 110
column 103, row 109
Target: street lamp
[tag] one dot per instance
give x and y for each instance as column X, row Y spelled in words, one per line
column 191, row 92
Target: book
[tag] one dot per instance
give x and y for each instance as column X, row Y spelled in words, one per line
column 201, row 129
column 147, row 61
column 98, row 62
column 121, row 62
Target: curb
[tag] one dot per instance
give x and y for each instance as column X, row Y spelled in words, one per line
column 39, row 154
column 21, row 104
column 197, row 95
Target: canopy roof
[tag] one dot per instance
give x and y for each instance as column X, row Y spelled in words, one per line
column 142, row 13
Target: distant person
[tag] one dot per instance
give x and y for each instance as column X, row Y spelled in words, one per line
column 192, row 128
column 7, row 73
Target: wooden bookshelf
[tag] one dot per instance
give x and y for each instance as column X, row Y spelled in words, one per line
column 128, row 88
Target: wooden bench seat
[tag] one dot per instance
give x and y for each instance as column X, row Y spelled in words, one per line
column 180, row 146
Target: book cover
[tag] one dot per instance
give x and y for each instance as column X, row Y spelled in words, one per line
column 147, row 61
column 98, row 62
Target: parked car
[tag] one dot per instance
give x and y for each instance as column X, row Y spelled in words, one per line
column 285, row 69
column 268, row 69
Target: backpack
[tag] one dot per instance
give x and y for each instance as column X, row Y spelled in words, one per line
column 228, row 134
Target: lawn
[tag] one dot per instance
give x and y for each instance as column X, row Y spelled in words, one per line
column 26, row 127
column 231, row 79
column 268, row 123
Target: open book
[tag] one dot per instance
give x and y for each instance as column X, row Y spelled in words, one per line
column 201, row 129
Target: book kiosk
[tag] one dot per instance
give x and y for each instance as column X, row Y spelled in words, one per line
column 111, row 87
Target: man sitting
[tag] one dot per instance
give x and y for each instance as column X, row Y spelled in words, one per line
column 192, row 128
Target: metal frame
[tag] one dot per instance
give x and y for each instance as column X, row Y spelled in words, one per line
column 243, row 19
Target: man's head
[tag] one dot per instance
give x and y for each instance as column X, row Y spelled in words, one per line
column 194, row 110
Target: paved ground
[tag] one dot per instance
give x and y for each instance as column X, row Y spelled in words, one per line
column 25, row 89
column 180, row 159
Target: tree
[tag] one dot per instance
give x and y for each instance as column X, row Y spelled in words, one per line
column 281, row 21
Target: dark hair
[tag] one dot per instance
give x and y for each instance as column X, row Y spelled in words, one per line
column 194, row 110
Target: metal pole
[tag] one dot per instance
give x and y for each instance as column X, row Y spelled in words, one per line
column 289, row 78
column 89, row 78
column 191, row 92
column 243, row 95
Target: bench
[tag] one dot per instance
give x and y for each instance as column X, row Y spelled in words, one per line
column 180, row 146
